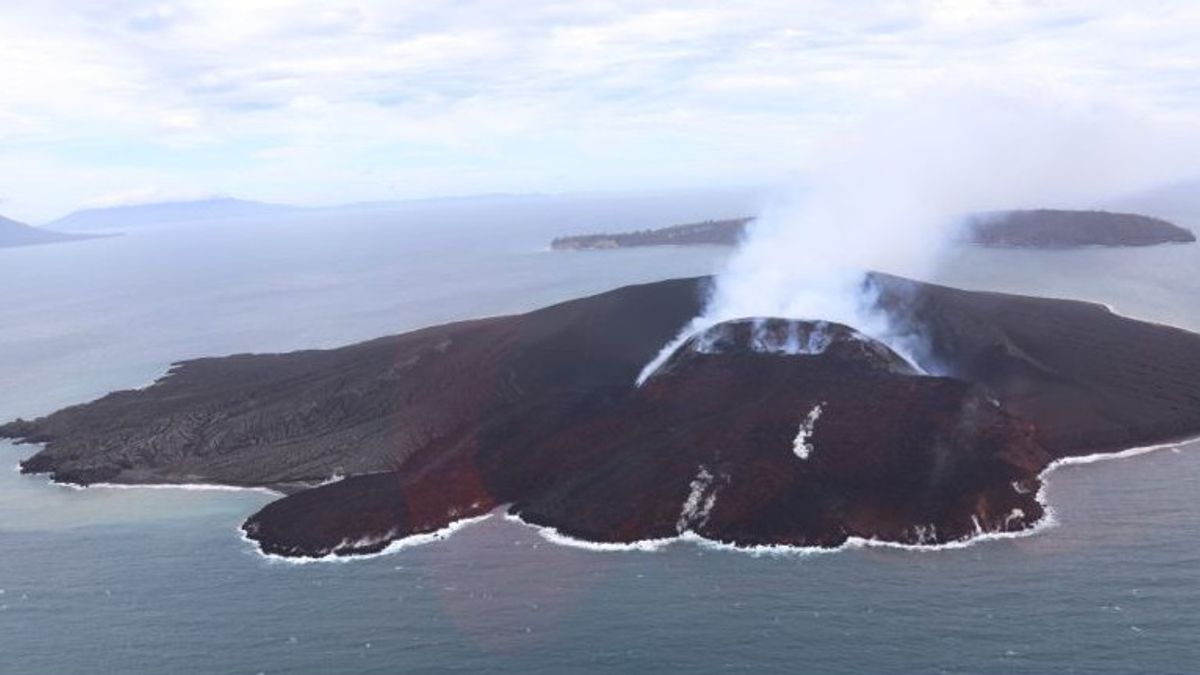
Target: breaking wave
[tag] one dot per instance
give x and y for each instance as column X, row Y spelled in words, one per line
column 194, row 487
column 394, row 546
column 554, row 536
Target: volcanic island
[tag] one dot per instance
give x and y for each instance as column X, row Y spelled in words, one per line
column 758, row 432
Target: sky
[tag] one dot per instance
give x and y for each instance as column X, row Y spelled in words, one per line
column 115, row 102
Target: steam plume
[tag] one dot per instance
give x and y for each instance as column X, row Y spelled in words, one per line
column 891, row 194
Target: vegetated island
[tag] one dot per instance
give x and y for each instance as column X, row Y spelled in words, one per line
column 1040, row 228
column 1048, row 228
column 756, row 432
column 713, row 232
column 13, row 233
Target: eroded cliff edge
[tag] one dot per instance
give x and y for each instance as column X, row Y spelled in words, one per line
column 758, row 432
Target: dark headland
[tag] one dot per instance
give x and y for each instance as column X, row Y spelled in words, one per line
column 1040, row 228
column 756, row 432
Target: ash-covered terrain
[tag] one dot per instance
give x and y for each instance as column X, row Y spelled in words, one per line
column 755, row 432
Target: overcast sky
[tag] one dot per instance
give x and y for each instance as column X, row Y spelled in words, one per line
column 322, row 102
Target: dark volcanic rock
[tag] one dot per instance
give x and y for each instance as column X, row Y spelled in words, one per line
column 1049, row 228
column 760, row 431
column 710, row 444
column 1090, row 380
column 263, row 419
column 757, row 446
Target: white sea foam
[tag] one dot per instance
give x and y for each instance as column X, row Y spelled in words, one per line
column 1047, row 521
column 393, row 547
column 1123, row 454
column 197, row 487
column 554, row 536
column 194, row 487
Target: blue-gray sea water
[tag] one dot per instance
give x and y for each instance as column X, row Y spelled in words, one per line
column 158, row 581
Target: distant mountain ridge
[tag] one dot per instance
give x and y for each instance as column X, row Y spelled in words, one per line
column 13, row 233
column 135, row 215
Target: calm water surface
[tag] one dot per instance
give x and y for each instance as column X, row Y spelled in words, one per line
column 157, row 580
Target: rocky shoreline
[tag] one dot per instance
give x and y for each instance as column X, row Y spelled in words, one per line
column 758, row 432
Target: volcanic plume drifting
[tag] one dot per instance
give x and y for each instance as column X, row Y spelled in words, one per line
column 895, row 191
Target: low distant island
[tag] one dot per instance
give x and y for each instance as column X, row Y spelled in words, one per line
column 217, row 209
column 160, row 213
column 1039, row 228
column 1049, row 228
column 756, row 432
column 13, row 233
column 713, row 232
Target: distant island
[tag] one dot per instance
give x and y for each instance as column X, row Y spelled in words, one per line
column 756, row 432
column 1040, row 228
column 1050, row 228
column 227, row 208
column 13, row 233
column 136, row 215
column 716, row 232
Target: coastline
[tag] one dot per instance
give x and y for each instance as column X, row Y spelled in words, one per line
column 340, row 502
column 193, row 487
column 393, row 546
column 551, row 535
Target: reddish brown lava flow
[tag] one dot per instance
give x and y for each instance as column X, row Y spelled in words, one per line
column 761, row 431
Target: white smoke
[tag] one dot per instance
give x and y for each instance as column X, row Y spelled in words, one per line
column 891, row 193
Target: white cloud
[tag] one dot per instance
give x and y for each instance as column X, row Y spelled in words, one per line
column 143, row 194
column 383, row 99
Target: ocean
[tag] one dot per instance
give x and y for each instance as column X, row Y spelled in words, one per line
column 149, row 580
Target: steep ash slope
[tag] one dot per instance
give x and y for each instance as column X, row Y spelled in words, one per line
column 723, row 441
column 1090, row 380
column 261, row 419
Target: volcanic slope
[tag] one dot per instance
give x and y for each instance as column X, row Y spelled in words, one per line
column 756, row 432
